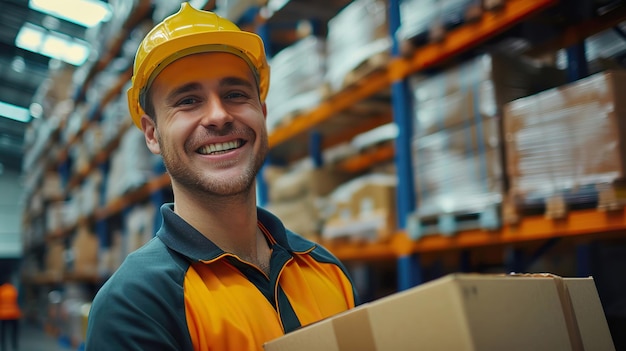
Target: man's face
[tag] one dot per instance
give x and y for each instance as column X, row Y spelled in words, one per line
column 210, row 124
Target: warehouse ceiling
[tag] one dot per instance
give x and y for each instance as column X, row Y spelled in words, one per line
column 21, row 72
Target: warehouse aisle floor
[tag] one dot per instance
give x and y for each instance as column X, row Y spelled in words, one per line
column 34, row 338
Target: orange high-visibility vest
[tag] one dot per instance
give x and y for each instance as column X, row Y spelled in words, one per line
column 9, row 309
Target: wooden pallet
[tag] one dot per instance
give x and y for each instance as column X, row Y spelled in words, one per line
column 451, row 223
column 603, row 197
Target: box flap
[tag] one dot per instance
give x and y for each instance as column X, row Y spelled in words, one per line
column 303, row 338
column 593, row 327
column 353, row 331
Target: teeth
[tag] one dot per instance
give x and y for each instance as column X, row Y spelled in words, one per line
column 209, row 149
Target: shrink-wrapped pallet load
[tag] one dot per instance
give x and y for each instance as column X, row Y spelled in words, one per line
column 566, row 147
column 457, row 146
column 357, row 36
column 296, row 81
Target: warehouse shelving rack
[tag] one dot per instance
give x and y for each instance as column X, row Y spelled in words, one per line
column 289, row 141
column 302, row 137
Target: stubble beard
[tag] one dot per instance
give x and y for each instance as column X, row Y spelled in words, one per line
column 207, row 184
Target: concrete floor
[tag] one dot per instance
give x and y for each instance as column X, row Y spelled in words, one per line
column 32, row 337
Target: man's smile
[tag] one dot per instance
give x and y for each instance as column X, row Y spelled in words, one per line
column 217, row 148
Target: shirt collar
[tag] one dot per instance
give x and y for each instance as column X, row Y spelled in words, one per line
column 181, row 237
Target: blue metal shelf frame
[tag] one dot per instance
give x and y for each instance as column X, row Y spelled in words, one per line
column 102, row 228
column 315, row 149
column 409, row 267
column 578, row 68
column 262, row 190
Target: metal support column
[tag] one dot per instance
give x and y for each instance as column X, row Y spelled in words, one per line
column 403, row 119
column 261, row 185
column 409, row 267
column 315, row 149
column 583, row 260
column 515, row 260
column 409, row 272
column 578, row 68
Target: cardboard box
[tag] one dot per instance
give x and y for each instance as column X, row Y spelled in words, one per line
column 366, row 209
column 301, row 181
column 301, row 215
column 467, row 312
column 84, row 249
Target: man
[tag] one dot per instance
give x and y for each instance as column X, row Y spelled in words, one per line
column 221, row 273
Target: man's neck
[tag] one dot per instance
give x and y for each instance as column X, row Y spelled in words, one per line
column 230, row 223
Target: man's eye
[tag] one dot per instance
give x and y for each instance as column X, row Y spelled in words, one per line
column 235, row 95
column 188, row 101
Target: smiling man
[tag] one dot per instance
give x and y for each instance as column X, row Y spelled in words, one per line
column 221, row 273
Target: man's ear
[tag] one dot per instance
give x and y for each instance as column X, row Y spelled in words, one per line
column 264, row 107
column 150, row 133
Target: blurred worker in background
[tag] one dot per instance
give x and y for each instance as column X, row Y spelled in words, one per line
column 221, row 273
column 10, row 315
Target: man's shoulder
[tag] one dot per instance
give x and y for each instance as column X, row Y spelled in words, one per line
column 149, row 264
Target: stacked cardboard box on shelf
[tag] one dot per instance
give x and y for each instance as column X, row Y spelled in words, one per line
column 61, row 215
column 298, row 195
column 428, row 20
column 54, row 261
column 51, row 186
column 566, row 146
column 138, row 228
column 111, row 256
column 56, row 89
column 90, row 193
column 363, row 208
column 296, row 80
column 115, row 117
column 54, row 104
column 457, row 146
column 356, row 34
column 131, row 165
column 467, row 312
column 83, row 253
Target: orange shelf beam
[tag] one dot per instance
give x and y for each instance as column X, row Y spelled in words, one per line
column 361, row 251
column 578, row 224
column 368, row 158
column 468, row 36
column 455, row 42
column 330, row 107
column 118, row 204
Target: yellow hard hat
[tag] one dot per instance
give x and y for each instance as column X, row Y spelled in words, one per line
column 191, row 31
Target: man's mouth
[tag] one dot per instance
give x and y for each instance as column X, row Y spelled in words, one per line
column 218, row 148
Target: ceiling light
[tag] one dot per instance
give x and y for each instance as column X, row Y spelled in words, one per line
column 29, row 36
column 52, row 44
column 86, row 13
column 11, row 111
column 18, row 64
column 36, row 110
